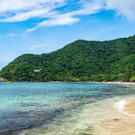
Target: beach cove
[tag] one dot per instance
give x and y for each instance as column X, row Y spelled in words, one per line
column 66, row 109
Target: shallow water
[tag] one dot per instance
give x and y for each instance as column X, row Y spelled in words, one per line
column 64, row 109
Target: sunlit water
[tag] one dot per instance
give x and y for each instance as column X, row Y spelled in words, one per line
column 64, row 109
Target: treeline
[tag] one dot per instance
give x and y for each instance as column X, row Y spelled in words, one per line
column 78, row 61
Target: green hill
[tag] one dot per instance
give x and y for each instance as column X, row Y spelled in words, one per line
column 78, row 61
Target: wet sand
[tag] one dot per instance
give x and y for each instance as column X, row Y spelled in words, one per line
column 127, row 107
column 130, row 107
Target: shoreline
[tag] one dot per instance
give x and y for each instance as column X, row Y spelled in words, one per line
column 99, row 110
column 127, row 107
column 109, row 82
column 123, row 83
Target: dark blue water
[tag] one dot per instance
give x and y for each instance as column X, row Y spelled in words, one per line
column 24, row 104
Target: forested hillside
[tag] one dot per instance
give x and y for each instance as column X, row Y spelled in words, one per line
column 78, row 61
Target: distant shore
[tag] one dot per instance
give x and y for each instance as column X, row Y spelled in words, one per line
column 123, row 83
column 113, row 82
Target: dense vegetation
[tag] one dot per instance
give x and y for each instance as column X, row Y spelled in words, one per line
column 78, row 61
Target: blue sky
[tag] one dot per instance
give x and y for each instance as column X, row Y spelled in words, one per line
column 42, row 26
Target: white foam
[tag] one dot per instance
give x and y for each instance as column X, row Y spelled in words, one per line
column 120, row 106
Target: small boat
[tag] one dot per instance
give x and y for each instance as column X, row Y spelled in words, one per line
column 9, row 81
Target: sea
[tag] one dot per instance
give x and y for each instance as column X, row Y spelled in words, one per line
column 60, row 108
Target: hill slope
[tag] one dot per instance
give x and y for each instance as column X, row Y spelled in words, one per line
column 78, row 61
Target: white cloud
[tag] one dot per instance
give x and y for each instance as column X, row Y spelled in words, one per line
column 69, row 18
column 8, row 35
column 21, row 5
column 37, row 46
column 57, row 21
column 125, row 8
column 11, row 34
column 21, row 10
column 60, row 12
column 26, row 15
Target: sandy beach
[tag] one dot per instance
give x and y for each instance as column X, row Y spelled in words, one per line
column 123, row 83
column 127, row 106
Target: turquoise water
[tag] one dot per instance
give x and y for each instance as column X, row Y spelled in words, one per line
column 25, row 105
